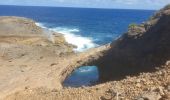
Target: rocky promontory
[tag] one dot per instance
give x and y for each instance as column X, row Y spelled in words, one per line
column 134, row 67
column 25, row 48
column 141, row 49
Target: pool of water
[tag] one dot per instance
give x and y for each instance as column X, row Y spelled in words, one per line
column 82, row 76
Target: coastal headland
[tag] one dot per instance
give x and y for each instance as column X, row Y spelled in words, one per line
column 136, row 66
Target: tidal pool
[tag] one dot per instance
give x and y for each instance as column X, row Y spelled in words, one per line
column 82, row 76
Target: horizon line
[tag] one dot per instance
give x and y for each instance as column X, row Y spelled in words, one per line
column 78, row 7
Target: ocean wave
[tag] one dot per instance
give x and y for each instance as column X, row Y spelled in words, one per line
column 82, row 43
column 85, row 69
column 41, row 25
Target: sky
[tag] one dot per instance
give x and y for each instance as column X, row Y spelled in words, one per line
column 120, row 4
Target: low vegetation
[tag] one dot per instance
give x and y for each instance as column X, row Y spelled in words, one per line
column 132, row 25
column 167, row 6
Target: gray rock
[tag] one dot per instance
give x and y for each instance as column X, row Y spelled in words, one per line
column 150, row 96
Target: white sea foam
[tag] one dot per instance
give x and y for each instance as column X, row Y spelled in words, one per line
column 40, row 25
column 82, row 43
column 84, row 70
column 87, row 69
column 46, row 32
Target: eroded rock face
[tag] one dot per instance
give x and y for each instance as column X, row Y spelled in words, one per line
column 21, row 36
column 140, row 49
column 27, row 55
column 143, row 49
column 18, row 25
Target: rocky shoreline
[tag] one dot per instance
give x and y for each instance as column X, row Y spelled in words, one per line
column 24, row 47
column 137, row 65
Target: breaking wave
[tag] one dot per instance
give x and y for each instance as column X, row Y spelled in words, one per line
column 82, row 43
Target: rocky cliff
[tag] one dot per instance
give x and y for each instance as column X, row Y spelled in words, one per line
column 25, row 52
column 141, row 49
column 134, row 67
column 28, row 39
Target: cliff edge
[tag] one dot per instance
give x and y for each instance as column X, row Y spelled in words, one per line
column 134, row 67
column 141, row 49
column 26, row 53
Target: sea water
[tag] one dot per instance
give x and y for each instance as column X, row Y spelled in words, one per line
column 82, row 76
column 84, row 27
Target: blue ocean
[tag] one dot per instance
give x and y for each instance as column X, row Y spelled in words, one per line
column 83, row 27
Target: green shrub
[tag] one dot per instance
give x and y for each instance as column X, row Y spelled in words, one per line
column 167, row 6
column 132, row 26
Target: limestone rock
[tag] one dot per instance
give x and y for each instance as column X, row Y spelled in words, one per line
column 150, row 96
column 58, row 39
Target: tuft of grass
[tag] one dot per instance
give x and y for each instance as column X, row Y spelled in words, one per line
column 167, row 6
column 132, row 25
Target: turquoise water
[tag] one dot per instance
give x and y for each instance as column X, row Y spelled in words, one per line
column 83, row 76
